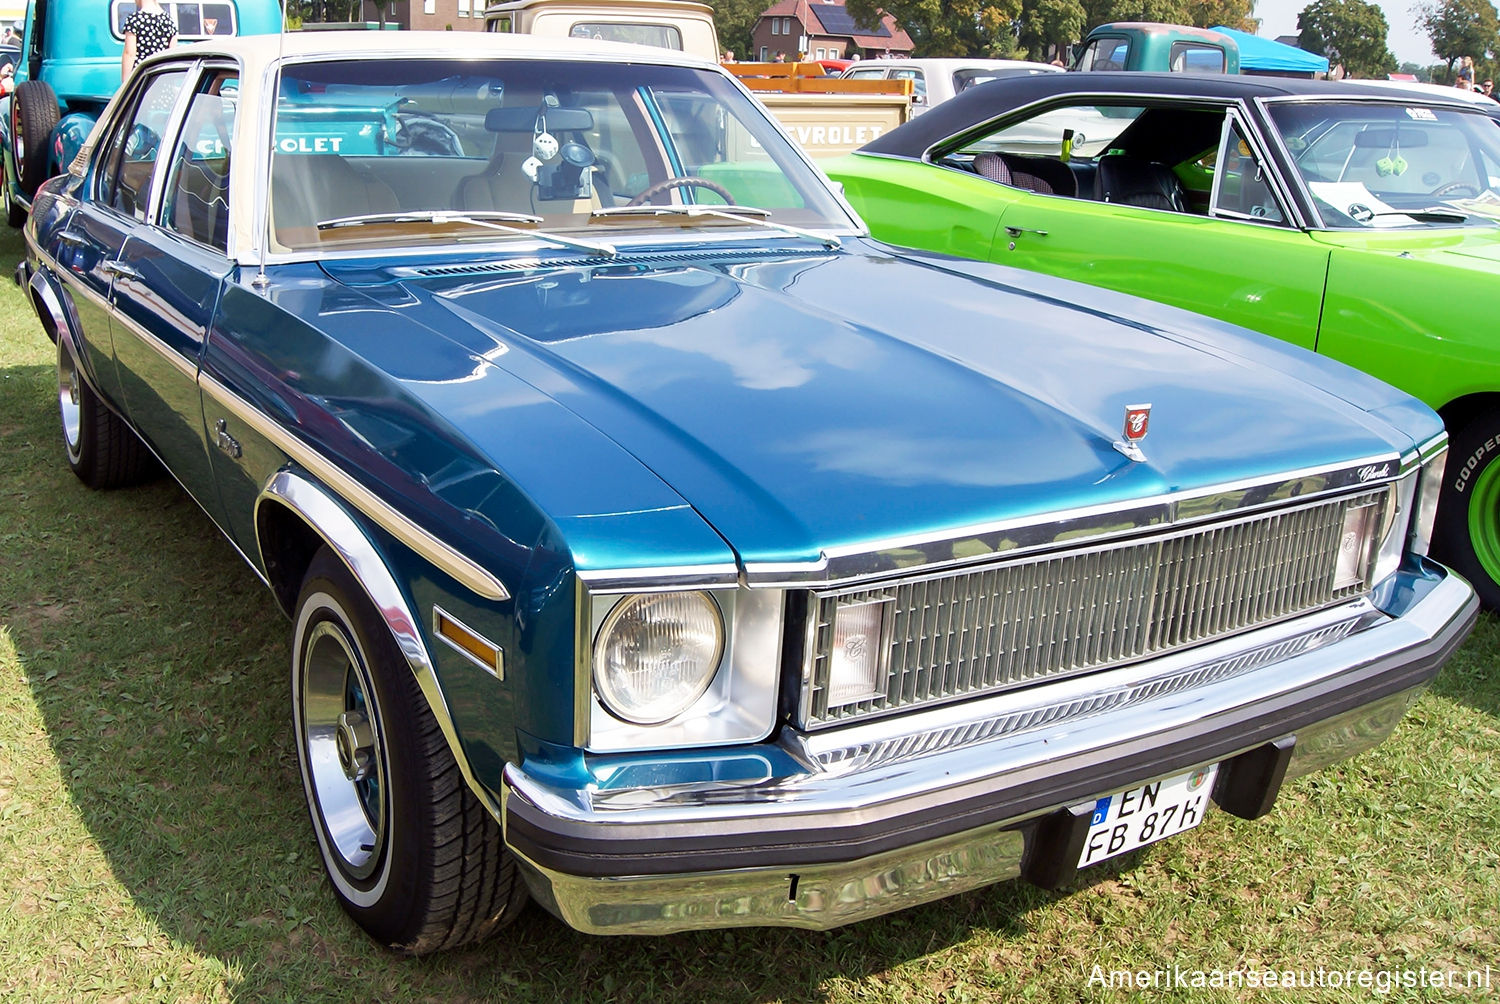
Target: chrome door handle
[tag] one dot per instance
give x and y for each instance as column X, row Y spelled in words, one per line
column 1018, row 231
column 120, row 269
column 72, row 237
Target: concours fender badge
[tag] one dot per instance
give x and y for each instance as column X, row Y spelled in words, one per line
column 1137, row 424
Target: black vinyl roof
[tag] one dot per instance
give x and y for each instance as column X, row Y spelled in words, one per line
column 990, row 100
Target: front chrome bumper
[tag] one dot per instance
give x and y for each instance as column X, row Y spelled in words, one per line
column 852, row 823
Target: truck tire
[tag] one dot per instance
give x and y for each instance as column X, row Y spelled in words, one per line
column 33, row 116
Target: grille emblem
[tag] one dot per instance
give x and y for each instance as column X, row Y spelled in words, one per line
column 1137, row 424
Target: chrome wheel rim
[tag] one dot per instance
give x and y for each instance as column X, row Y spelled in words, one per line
column 69, row 399
column 343, row 751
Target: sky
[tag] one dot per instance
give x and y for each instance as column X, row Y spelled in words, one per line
column 1406, row 40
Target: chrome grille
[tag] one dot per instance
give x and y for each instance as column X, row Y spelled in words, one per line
column 978, row 631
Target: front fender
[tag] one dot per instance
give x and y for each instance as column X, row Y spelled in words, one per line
column 323, row 513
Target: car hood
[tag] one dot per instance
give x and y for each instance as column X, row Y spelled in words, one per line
column 803, row 400
column 1465, row 246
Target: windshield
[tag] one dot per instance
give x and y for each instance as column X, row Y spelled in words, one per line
column 1368, row 164
column 551, row 140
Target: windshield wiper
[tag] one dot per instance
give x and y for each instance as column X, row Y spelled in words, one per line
column 1436, row 214
column 488, row 220
column 752, row 215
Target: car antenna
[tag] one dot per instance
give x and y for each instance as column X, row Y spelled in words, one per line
column 261, row 280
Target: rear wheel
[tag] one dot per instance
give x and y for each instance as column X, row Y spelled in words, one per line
column 33, row 116
column 101, row 449
column 412, row 855
column 1467, row 535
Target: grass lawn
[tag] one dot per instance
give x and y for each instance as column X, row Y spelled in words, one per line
column 154, row 845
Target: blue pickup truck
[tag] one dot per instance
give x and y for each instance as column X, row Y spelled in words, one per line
column 70, row 68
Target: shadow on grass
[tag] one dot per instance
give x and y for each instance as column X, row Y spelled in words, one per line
column 1472, row 676
column 158, row 662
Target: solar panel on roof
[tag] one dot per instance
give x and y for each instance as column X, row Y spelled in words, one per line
column 836, row 21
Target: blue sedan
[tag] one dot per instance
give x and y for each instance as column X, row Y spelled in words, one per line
column 657, row 544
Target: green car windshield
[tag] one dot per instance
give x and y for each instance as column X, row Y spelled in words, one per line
column 1373, row 165
column 551, row 144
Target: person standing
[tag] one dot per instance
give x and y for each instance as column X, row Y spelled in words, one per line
column 148, row 31
column 1466, row 73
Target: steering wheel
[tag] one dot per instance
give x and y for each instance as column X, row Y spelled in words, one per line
column 1463, row 188
column 686, row 181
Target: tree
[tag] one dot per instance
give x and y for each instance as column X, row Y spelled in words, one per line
column 949, row 27
column 1460, row 28
column 1422, row 73
column 1048, row 23
column 735, row 19
column 1351, row 32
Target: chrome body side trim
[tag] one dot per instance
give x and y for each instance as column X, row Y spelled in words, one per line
column 322, row 513
column 1008, row 538
column 445, row 557
column 860, row 837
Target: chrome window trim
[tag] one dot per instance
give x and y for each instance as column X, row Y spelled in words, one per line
column 538, row 249
column 208, row 64
column 170, row 131
column 1263, row 152
column 1090, row 525
column 323, row 514
column 1026, row 111
column 445, row 557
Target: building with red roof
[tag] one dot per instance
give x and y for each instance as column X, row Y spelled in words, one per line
column 823, row 29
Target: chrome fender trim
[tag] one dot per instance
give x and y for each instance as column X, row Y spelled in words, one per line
column 324, row 514
column 44, row 294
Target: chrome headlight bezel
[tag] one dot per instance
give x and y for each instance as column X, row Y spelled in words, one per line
column 737, row 703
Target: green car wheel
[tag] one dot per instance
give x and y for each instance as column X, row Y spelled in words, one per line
column 1467, row 536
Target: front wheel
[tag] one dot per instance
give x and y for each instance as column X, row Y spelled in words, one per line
column 412, row 855
column 1467, row 535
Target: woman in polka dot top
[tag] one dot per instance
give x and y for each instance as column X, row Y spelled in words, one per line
column 149, row 30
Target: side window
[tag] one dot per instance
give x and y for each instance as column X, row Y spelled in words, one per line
column 1241, row 189
column 125, row 178
column 196, row 203
column 1105, row 54
column 918, row 83
column 1068, row 133
column 1190, row 57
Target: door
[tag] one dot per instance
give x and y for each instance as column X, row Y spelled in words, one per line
column 90, row 245
column 167, row 283
column 1193, row 222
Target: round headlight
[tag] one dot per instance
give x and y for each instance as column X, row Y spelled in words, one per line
column 656, row 654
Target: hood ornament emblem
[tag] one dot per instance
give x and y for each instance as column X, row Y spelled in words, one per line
column 1137, row 424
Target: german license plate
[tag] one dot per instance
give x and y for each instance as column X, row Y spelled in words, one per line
column 1143, row 815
